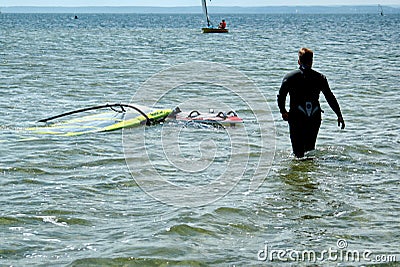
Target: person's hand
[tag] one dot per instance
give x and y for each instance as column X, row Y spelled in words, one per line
column 340, row 121
column 285, row 116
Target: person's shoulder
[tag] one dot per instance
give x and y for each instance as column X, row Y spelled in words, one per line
column 292, row 74
column 318, row 74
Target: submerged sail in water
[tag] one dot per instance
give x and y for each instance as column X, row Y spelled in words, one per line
column 120, row 116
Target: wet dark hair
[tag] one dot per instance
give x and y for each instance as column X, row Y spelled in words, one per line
column 306, row 56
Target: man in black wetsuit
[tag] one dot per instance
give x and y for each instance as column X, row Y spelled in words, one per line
column 304, row 86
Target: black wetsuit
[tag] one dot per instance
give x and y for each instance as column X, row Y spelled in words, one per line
column 304, row 86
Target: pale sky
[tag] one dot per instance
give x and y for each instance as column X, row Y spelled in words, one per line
column 169, row 3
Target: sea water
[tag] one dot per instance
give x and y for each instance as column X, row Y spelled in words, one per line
column 78, row 200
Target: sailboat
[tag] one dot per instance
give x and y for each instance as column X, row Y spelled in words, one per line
column 381, row 9
column 210, row 28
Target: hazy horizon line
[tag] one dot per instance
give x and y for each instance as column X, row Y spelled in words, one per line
column 194, row 6
column 301, row 9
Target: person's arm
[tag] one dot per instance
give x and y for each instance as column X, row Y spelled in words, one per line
column 340, row 121
column 333, row 103
column 281, row 98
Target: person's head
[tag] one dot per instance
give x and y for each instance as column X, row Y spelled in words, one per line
column 223, row 20
column 306, row 57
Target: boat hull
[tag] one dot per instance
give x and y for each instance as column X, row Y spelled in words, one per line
column 212, row 30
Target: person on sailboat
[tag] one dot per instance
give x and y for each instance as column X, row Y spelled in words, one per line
column 222, row 24
column 304, row 86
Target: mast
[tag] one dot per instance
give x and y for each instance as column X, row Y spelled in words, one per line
column 204, row 4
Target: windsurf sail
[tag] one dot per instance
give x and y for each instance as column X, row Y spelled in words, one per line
column 204, row 4
column 112, row 106
column 120, row 116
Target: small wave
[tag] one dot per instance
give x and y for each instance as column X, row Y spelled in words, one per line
column 188, row 230
column 54, row 220
column 132, row 261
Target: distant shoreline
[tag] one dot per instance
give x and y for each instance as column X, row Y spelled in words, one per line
column 355, row 9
